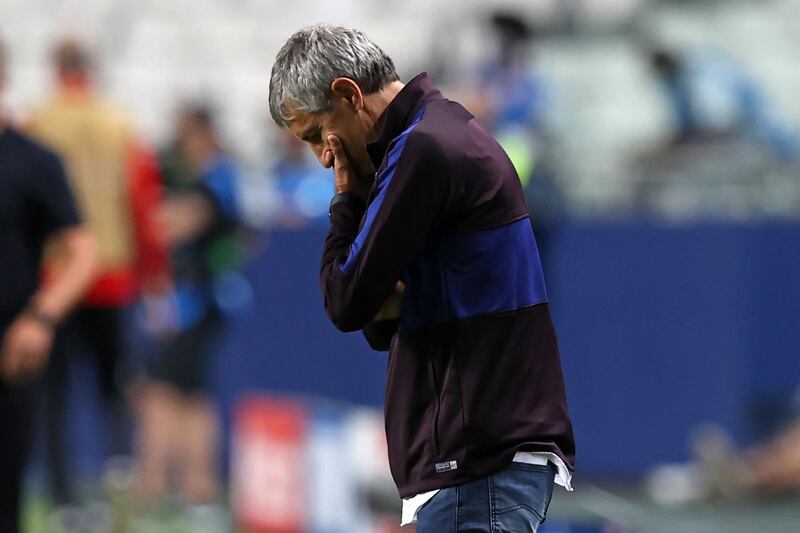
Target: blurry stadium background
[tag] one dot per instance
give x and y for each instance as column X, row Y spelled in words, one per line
column 659, row 145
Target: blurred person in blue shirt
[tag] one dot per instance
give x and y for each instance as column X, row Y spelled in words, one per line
column 512, row 96
column 178, row 420
column 513, row 101
column 304, row 186
column 711, row 95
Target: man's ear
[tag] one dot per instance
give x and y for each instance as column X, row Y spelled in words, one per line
column 348, row 90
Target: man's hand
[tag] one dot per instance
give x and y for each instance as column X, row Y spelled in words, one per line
column 345, row 178
column 25, row 349
column 393, row 305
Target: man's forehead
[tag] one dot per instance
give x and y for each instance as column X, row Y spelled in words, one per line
column 299, row 121
column 306, row 125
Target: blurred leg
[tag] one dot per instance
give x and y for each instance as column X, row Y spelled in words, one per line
column 15, row 419
column 158, row 428
column 199, row 447
column 56, row 391
column 182, row 367
column 106, row 330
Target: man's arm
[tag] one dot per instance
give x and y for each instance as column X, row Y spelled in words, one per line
column 361, row 267
column 28, row 340
column 211, row 205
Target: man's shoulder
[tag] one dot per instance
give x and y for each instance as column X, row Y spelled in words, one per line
column 63, row 115
column 434, row 131
column 442, row 132
column 26, row 147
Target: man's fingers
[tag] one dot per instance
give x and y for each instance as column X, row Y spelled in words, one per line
column 339, row 157
column 335, row 144
column 327, row 159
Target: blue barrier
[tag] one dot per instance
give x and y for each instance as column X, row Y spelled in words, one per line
column 661, row 328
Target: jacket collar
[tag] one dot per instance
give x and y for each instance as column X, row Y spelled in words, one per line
column 399, row 113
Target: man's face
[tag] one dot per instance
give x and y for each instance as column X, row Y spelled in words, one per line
column 351, row 126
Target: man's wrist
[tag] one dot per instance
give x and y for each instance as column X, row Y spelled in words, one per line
column 32, row 312
column 345, row 197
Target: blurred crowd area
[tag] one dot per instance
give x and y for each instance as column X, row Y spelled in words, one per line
column 634, row 105
column 678, row 111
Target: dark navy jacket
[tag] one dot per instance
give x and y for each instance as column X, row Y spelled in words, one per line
column 474, row 373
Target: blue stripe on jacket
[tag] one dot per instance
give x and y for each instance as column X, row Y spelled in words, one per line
column 467, row 275
column 383, row 180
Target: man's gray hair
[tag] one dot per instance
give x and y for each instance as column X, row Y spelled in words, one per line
column 315, row 56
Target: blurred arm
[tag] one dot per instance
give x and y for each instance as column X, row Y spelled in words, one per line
column 186, row 217
column 69, row 282
column 29, row 338
column 211, row 205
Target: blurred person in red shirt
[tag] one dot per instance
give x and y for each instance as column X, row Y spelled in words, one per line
column 36, row 205
column 117, row 185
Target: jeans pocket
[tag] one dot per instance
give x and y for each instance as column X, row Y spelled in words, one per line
column 438, row 515
column 520, row 496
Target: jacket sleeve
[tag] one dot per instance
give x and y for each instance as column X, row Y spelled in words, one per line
column 360, row 267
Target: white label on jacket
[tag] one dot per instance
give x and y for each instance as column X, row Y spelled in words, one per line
column 446, row 467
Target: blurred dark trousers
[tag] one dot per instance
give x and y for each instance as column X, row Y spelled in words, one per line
column 514, row 500
column 16, row 424
column 95, row 332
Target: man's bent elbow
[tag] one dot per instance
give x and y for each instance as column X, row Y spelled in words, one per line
column 344, row 318
column 346, row 323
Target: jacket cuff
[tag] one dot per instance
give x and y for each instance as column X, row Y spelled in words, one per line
column 346, row 207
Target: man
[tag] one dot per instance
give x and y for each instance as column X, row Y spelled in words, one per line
column 35, row 204
column 178, row 420
column 428, row 204
column 117, row 185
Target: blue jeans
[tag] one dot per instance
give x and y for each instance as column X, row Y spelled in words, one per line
column 514, row 500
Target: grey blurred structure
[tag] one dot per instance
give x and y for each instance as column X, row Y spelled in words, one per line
column 606, row 112
column 609, row 128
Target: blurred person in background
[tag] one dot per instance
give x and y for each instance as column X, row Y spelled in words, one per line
column 772, row 468
column 177, row 419
column 304, row 186
column 769, row 468
column 36, row 205
column 430, row 253
column 512, row 100
column 710, row 96
column 117, row 185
